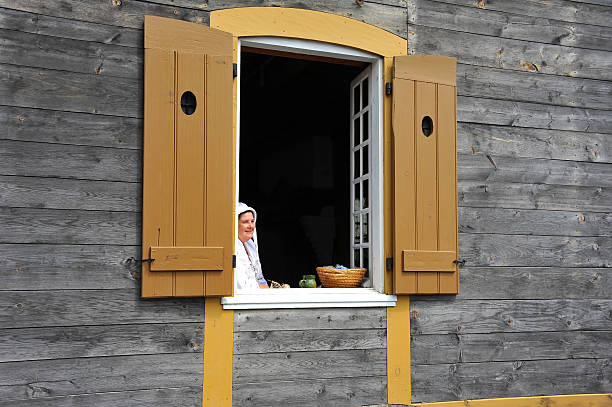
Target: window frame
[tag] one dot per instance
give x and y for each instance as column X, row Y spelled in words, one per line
column 308, row 298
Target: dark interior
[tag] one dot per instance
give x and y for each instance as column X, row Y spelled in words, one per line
column 294, row 160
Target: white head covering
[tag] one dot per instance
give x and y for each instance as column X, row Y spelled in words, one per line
column 248, row 273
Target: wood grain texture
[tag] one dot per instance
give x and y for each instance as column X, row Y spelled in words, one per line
column 262, row 342
column 490, row 316
column 33, row 159
column 57, row 267
column 96, row 341
column 51, row 226
column 484, row 50
column 23, row 309
column 42, row 51
column 510, row 141
column 182, row 396
column 57, row 193
column 52, row 378
column 535, row 251
column 506, row 379
column 498, row 83
column 74, row 92
column 534, row 222
column 460, row 348
column 265, row 368
column 542, row 28
column 57, row 127
column 307, row 319
column 354, row 391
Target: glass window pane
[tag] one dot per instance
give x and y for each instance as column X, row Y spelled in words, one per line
column 364, row 228
column 356, row 132
column 365, row 199
column 356, row 103
column 357, row 202
column 366, row 157
column 366, row 129
column 365, row 257
column 364, row 88
column 356, row 260
column 356, row 164
column 356, row 232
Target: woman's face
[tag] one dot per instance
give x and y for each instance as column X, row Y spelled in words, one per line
column 246, row 226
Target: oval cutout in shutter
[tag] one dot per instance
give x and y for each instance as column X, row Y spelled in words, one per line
column 427, row 126
column 188, row 103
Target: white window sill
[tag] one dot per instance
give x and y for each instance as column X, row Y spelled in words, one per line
column 308, row 298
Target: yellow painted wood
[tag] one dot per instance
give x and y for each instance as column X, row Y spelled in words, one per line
column 218, row 348
column 423, row 260
column 307, row 24
column 176, row 258
column 388, row 174
column 572, row 400
column 427, row 68
column 189, row 167
column 158, row 166
column 398, row 352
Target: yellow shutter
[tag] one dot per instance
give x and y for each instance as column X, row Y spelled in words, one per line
column 187, row 210
column 425, row 175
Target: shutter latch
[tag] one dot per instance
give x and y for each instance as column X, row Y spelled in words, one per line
column 233, row 261
column 234, row 70
column 131, row 259
column 461, row 262
column 389, row 263
column 388, row 88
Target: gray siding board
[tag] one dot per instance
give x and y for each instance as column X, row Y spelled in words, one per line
column 96, row 341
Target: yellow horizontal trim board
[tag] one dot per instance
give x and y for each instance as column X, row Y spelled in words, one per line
column 572, row 400
column 423, row 260
column 427, row 68
column 186, row 258
column 308, row 25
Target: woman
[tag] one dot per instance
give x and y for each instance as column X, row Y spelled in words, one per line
column 248, row 272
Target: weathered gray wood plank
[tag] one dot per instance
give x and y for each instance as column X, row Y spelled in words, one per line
column 449, row 315
column 543, row 28
column 26, row 158
column 307, row 319
column 535, row 251
column 563, row 10
column 67, row 28
column 50, row 378
column 534, row 283
column 26, row 225
column 25, row 309
column 264, row 368
column 355, row 391
column 124, row 13
column 534, row 222
column 52, row 126
column 309, row 340
column 181, row 396
column 496, row 83
column 534, row 196
column 69, row 91
column 491, row 168
column 42, row 51
column 533, row 143
column 457, row 348
column 56, row 193
column 464, row 381
column 57, row 267
column 21, row 344
column 535, row 115
column 484, row 50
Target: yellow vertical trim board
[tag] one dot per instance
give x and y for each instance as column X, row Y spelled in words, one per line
column 218, row 354
column 398, row 352
column 572, row 400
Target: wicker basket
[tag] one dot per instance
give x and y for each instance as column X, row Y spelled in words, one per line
column 340, row 278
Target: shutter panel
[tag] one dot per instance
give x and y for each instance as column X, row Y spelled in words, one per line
column 425, row 175
column 187, row 210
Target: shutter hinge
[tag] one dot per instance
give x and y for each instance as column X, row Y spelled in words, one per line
column 133, row 260
column 389, row 263
column 388, row 88
column 461, row 262
column 233, row 261
column 234, row 70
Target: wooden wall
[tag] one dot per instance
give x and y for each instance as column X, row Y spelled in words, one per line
column 535, row 169
column 535, row 312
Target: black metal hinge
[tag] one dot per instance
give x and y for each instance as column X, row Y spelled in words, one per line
column 389, row 263
column 233, row 261
column 388, row 88
column 133, row 260
column 234, row 70
column 461, row 262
